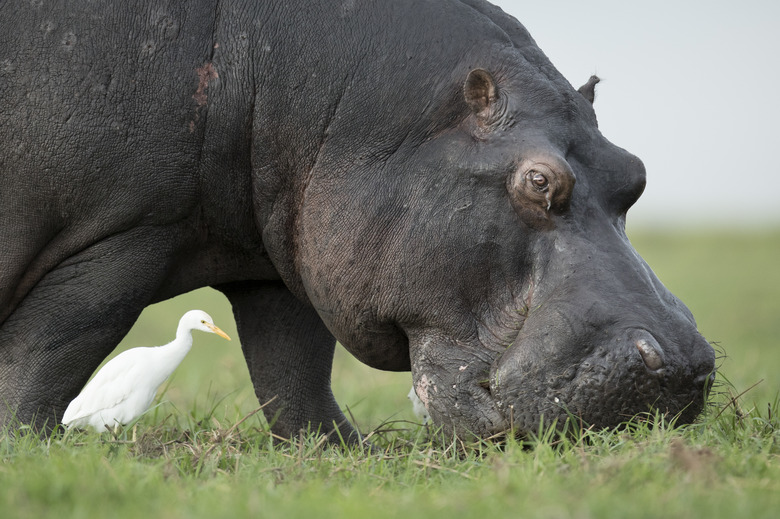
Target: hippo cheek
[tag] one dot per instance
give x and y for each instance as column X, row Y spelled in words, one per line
column 609, row 384
column 452, row 383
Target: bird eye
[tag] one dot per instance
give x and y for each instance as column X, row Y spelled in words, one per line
column 539, row 180
column 202, row 321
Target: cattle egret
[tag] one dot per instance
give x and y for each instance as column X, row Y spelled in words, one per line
column 125, row 387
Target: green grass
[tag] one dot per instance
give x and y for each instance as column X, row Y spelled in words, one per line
column 731, row 283
column 194, row 457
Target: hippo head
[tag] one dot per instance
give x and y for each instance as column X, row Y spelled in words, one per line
column 478, row 239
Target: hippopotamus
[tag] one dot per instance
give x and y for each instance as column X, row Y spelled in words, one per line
column 412, row 179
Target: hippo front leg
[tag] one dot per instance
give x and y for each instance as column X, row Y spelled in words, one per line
column 289, row 353
column 73, row 317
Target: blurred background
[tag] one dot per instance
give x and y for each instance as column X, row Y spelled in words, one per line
column 689, row 87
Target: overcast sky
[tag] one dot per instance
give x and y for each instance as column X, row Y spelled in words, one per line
column 691, row 87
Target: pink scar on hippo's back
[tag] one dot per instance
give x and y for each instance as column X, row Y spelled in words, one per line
column 205, row 74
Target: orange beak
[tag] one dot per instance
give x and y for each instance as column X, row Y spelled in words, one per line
column 216, row 330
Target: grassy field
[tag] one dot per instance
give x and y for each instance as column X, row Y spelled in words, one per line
column 194, row 456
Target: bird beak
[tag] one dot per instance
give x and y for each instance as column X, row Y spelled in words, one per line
column 216, row 330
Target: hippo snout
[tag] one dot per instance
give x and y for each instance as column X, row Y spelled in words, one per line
column 542, row 378
column 650, row 351
column 694, row 364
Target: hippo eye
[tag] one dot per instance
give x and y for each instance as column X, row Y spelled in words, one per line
column 541, row 187
column 539, row 180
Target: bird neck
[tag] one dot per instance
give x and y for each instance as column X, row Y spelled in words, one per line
column 181, row 345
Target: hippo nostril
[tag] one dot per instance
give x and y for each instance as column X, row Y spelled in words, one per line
column 650, row 354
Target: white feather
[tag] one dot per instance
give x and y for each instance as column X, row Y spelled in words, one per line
column 125, row 387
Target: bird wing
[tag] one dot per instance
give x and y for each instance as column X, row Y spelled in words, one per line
column 110, row 386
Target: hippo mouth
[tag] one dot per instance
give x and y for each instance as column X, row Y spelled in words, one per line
column 534, row 383
column 607, row 388
column 456, row 390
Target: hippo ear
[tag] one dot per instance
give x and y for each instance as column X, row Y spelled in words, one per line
column 588, row 90
column 482, row 96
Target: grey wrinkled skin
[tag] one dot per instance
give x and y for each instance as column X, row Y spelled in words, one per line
column 414, row 179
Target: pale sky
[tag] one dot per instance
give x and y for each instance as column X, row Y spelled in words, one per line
column 691, row 87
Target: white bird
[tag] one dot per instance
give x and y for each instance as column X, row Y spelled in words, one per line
column 125, row 387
